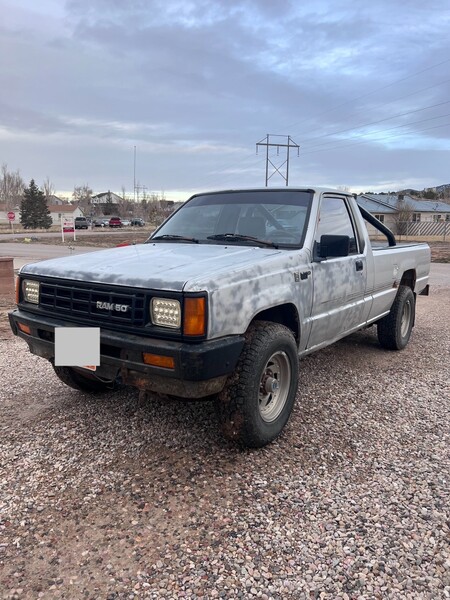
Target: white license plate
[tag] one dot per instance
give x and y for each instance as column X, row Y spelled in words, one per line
column 77, row 346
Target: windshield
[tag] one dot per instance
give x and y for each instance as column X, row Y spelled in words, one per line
column 265, row 217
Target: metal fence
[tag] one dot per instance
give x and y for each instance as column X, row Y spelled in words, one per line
column 439, row 229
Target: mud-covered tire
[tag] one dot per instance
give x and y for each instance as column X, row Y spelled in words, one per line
column 257, row 401
column 394, row 330
column 82, row 383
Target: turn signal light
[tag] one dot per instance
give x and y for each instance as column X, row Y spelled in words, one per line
column 24, row 328
column 158, row 360
column 194, row 322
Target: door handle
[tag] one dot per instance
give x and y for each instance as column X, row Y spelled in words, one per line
column 359, row 265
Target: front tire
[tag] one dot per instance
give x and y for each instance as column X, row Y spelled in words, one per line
column 82, row 383
column 394, row 330
column 257, row 401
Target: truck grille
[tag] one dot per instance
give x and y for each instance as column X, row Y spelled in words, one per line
column 98, row 304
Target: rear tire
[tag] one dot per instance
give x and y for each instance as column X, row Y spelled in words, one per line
column 257, row 401
column 82, row 383
column 394, row 330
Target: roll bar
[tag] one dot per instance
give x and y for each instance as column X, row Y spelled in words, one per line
column 378, row 225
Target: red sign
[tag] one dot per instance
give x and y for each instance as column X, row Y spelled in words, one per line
column 11, row 216
column 68, row 224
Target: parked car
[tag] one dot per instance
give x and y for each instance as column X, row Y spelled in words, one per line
column 115, row 222
column 138, row 222
column 126, row 222
column 101, row 222
column 81, row 223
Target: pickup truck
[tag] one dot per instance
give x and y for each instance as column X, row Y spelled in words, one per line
column 224, row 297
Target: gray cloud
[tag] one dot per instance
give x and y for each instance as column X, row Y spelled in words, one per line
column 195, row 84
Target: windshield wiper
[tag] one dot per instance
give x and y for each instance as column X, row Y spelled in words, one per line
column 175, row 238
column 237, row 237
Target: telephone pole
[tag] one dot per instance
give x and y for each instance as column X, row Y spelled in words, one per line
column 288, row 144
column 138, row 189
column 134, row 176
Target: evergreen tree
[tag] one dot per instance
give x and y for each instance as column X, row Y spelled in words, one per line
column 33, row 209
column 429, row 194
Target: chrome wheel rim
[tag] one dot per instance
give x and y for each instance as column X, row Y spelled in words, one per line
column 274, row 386
column 406, row 318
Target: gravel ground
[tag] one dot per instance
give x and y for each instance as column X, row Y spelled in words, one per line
column 118, row 497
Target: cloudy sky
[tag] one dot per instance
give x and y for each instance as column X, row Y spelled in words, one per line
column 362, row 87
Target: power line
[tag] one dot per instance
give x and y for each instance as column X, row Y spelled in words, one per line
column 374, row 91
column 355, row 128
column 392, row 128
column 409, row 112
column 374, row 141
column 386, row 138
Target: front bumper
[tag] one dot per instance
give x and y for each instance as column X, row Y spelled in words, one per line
column 200, row 368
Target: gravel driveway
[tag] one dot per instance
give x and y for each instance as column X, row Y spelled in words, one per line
column 115, row 497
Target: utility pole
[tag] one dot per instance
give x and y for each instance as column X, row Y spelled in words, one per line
column 138, row 189
column 134, row 176
column 267, row 142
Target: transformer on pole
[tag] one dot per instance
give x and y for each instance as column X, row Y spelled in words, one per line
column 267, row 142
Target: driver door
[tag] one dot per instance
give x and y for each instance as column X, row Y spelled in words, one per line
column 339, row 283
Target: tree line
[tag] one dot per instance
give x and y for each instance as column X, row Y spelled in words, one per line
column 33, row 201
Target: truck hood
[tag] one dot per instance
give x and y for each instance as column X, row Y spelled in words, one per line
column 161, row 265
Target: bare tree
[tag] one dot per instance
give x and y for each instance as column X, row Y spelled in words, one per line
column 402, row 216
column 11, row 187
column 444, row 194
column 82, row 194
column 157, row 208
column 48, row 188
column 153, row 208
column 125, row 206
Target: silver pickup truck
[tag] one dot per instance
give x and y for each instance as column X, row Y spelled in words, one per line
column 224, row 297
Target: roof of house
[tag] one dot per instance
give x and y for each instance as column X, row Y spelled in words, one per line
column 62, row 208
column 53, row 200
column 373, row 206
column 105, row 194
column 388, row 203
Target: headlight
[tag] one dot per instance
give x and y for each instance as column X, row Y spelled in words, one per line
column 165, row 312
column 30, row 291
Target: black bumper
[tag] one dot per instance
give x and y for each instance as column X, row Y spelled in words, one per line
column 208, row 362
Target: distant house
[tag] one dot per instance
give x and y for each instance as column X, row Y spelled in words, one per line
column 55, row 201
column 383, row 211
column 56, row 212
column 404, row 214
column 167, row 206
column 106, row 198
column 64, row 210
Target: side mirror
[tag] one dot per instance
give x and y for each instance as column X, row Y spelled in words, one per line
column 332, row 246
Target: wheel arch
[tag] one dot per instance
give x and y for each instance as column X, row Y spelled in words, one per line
column 409, row 279
column 284, row 314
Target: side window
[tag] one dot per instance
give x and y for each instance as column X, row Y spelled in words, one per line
column 334, row 219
